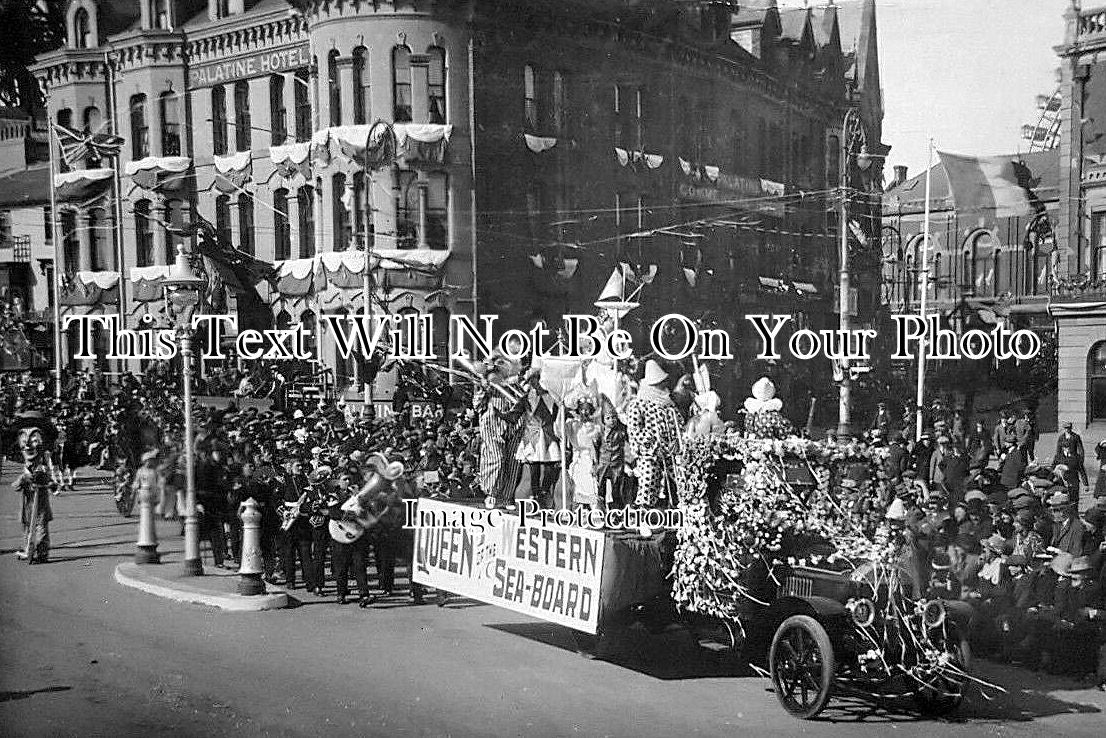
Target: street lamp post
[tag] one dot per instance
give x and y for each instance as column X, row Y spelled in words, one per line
column 182, row 296
column 853, row 147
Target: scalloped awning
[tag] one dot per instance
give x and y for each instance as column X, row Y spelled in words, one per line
column 233, row 172
column 80, row 184
column 159, row 172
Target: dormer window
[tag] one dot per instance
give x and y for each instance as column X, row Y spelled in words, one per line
column 82, row 30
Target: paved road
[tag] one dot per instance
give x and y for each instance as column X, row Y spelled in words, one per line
column 82, row 655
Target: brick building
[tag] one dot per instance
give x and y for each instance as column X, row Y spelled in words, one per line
column 539, row 145
column 1079, row 297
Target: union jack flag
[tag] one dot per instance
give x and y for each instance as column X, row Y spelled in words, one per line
column 76, row 146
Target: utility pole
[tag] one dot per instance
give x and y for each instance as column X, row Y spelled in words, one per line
column 923, row 285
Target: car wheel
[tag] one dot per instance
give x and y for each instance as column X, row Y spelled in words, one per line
column 802, row 665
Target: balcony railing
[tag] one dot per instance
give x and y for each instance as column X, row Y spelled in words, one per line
column 1092, row 24
column 1084, row 288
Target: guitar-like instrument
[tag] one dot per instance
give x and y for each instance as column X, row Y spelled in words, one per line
column 357, row 516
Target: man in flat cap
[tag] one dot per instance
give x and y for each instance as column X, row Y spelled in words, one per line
column 1069, row 452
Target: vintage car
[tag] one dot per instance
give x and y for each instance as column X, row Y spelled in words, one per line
column 821, row 623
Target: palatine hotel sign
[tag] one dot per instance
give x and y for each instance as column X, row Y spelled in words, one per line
column 272, row 61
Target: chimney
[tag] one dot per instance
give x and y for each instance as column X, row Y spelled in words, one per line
column 900, row 175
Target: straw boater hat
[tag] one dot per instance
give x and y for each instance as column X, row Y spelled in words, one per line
column 764, row 397
column 654, row 375
column 1059, row 500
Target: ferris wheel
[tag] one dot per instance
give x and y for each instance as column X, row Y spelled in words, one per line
column 1045, row 135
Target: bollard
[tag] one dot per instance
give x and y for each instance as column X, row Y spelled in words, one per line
column 146, row 550
column 249, row 571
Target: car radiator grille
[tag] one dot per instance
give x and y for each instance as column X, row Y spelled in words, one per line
column 798, row 586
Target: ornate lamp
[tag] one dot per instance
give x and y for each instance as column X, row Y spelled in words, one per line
column 183, row 288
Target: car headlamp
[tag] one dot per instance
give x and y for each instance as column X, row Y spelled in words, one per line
column 863, row 611
column 934, row 614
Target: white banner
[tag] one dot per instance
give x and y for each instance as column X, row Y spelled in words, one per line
column 551, row 573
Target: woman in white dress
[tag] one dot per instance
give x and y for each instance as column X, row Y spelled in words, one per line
column 584, row 434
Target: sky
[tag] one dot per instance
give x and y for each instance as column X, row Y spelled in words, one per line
column 964, row 72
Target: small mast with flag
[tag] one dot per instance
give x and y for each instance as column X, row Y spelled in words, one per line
column 613, row 297
column 79, row 147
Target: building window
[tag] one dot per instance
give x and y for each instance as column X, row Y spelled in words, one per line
column 401, row 84
column 305, row 202
column 361, row 93
column 160, row 15
column 437, row 211
column 530, row 97
column 169, row 105
column 1098, row 246
column 436, row 107
column 140, row 130
column 222, row 219
column 245, row 224
column 92, row 125
column 242, row 125
column 278, row 114
column 301, row 92
column 48, row 223
column 70, row 243
column 282, row 249
column 560, row 112
column 334, row 87
column 174, row 214
column 99, row 259
column 144, row 233
column 1040, row 245
column 1096, row 382
column 359, row 210
column 65, row 120
column 82, row 30
column 219, row 120
column 407, row 210
column 979, row 263
column 340, row 213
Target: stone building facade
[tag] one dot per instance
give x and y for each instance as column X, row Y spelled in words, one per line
column 538, row 147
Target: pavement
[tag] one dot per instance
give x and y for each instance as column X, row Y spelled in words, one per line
column 84, row 655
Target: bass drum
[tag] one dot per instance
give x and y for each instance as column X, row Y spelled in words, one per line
column 344, row 531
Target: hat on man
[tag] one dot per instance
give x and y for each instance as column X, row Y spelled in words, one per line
column 1059, row 500
column 1042, row 473
column 297, row 415
column 975, row 494
column 1039, row 483
column 1023, row 503
column 967, row 542
column 654, row 375
column 996, row 497
column 1067, row 425
column 1080, row 564
column 357, row 456
column 941, row 561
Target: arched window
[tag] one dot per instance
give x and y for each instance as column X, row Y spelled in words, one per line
column 245, row 223
column 435, row 89
column 401, row 84
column 169, row 105
column 82, row 30
column 282, row 249
column 530, row 97
column 343, row 365
column 334, row 87
column 407, row 210
column 1098, row 246
column 437, row 211
column 360, row 85
column 278, row 114
column 1040, row 245
column 979, row 264
column 70, row 242
column 242, row 124
column 305, row 201
column 301, row 92
column 997, row 274
column 219, row 120
column 140, row 129
column 283, row 320
column 144, row 233
column 441, row 331
column 222, row 219
column 359, row 234
column 1096, row 382
column 92, row 124
column 339, row 212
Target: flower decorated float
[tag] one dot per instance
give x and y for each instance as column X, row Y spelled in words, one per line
column 788, row 542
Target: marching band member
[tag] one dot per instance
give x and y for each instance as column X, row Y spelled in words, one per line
column 295, row 526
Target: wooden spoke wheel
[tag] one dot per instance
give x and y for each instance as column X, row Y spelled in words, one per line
column 802, row 666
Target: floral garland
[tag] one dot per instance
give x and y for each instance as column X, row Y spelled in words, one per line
column 751, row 520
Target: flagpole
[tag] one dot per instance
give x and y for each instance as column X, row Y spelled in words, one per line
column 923, row 283
column 58, row 268
column 119, row 248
